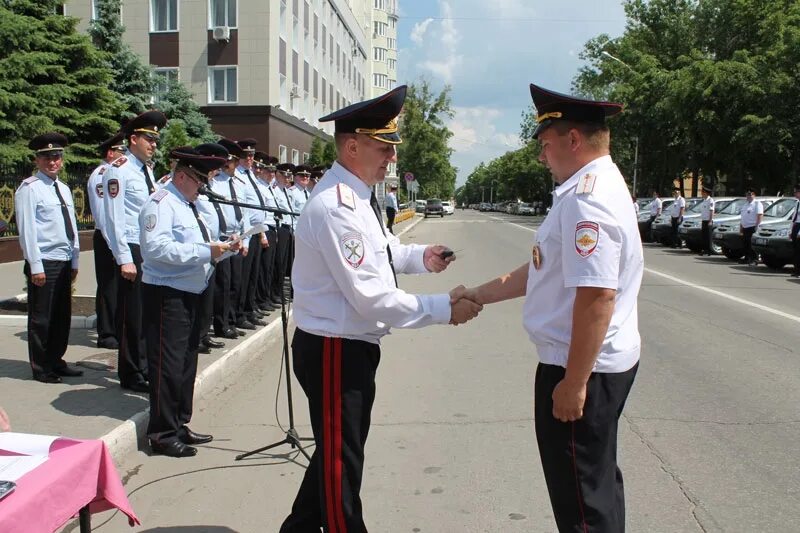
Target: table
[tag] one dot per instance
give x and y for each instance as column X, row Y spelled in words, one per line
column 79, row 477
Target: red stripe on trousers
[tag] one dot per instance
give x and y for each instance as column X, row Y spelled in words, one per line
column 327, row 422
column 337, row 432
column 577, row 482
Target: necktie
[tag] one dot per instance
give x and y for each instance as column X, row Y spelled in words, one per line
column 223, row 228
column 288, row 202
column 236, row 209
column 65, row 214
column 253, row 183
column 373, row 201
column 203, row 229
column 147, row 178
column 306, row 193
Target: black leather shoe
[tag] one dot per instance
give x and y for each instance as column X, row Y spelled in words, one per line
column 276, row 302
column 240, row 333
column 211, row 343
column 108, row 344
column 256, row 321
column 229, row 333
column 188, row 436
column 135, row 386
column 67, row 371
column 245, row 324
column 203, row 349
column 173, row 448
column 258, row 313
column 47, row 377
column 268, row 307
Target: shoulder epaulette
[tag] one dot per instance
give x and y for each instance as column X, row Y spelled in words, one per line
column 346, row 196
column 102, row 170
column 28, row 181
column 160, row 195
column 118, row 162
column 586, row 184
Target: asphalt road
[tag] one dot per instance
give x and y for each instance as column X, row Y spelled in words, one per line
column 708, row 441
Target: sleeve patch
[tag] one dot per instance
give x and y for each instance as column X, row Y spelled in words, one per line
column 113, row 187
column 118, row 162
column 28, row 181
column 99, row 190
column 586, row 236
column 159, row 195
column 150, row 222
column 352, row 246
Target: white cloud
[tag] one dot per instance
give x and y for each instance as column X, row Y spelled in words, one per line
column 476, row 138
column 443, row 61
column 418, row 31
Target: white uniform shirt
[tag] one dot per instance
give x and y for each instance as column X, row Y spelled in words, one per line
column 342, row 279
column 589, row 239
column 391, row 200
column 636, row 209
column 676, row 206
column 707, row 209
column 750, row 213
column 94, row 188
column 655, row 207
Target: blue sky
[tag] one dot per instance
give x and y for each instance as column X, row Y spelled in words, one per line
column 488, row 52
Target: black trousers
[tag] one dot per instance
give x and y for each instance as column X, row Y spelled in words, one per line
column 132, row 357
column 267, row 266
column 747, row 234
column 206, row 306
column 579, row 458
column 796, row 247
column 676, row 240
column 107, row 275
column 338, row 377
column 235, row 290
column 705, row 240
column 49, row 316
column 172, row 326
column 222, row 296
column 390, row 213
column 250, row 273
column 281, row 260
column 648, row 232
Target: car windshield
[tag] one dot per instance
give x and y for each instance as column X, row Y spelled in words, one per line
column 446, row 203
column 781, row 208
column 734, row 207
column 434, row 203
column 719, row 206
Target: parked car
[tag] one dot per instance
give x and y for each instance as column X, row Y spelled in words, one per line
column 726, row 231
column 434, row 207
column 662, row 225
column 644, row 218
column 773, row 244
column 485, row 206
column 420, row 207
column 449, row 208
column 691, row 230
column 525, row 209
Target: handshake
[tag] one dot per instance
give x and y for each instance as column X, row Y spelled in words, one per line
column 464, row 305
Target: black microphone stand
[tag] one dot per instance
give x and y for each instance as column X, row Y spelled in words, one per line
column 291, row 437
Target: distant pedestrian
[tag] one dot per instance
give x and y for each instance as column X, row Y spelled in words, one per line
column 676, row 211
column 655, row 210
column 635, row 205
column 391, row 207
column 706, row 220
column 48, row 236
column 795, row 230
column 752, row 213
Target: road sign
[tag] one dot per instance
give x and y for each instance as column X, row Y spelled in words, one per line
column 412, row 186
column 408, row 176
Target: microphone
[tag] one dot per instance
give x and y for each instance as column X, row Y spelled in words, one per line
column 211, row 195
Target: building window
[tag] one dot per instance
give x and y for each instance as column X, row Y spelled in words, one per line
column 295, row 157
column 306, row 157
column 164, row 78
column 281, row 153
column 379, row 54
column 391, row 85
column 391, row 43
column 379, row 4
column 163, row 15
column 222, row 13
column 380, row 80
column 380, row 29
column 392, row 64
column 222, row 85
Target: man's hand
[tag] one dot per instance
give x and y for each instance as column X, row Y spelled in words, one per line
column 568, row 400
column 5, row 423
column 264, row 241
column 74, row 274
column 128, row 271
column 461, row 308
column 244, row 251
column 462, row 292
column 433, row 260
column 38, row 279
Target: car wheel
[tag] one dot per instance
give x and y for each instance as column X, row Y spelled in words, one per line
column 773, row 262
column 732, row 254
column 716, row 249
column 441, row 216
column 426, row 215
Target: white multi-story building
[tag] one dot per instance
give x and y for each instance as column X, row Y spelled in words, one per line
column 266, row 69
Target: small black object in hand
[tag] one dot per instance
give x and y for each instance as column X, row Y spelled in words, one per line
column 446, row 254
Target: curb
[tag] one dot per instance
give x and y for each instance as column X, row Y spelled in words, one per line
column 76, row 322
column 125, row 438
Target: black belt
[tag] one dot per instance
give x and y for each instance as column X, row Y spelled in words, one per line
column 286, row 226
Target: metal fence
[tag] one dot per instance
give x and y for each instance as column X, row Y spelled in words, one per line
column 74, row 175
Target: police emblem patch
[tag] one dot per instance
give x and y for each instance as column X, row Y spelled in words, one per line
column 113, row 188
column 536, row 257
column 150, row 222
column 99, row 190
column 586, row 236
column 352, row 245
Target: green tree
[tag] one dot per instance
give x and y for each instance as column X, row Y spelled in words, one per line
column 51, row 78
column 133, row 80
column 186, row 125
column 323, row 152
column 424, row 151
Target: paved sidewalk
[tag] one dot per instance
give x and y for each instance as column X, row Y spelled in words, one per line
column 94, row 406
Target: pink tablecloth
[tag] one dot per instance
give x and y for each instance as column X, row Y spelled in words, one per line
column 77, row 472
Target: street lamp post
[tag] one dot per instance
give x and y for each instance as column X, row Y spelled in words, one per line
column 483, row 189
column 491, row 193
column 635, row 164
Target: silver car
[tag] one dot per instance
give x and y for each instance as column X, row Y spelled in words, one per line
column 726, row 234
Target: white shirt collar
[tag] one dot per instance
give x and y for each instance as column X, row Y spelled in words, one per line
column 348, row 178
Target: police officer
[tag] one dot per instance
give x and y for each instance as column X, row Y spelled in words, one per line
column 105, row 269
column 231, row 225
column 177, row 253
column 299, row 193
column 580, row 310
column 346, row 299
column 127, row 184
column 706, row 219
column 48, row 236
column 265, row 171
column 246, row 307
column 676, row 211
column 655, row 210
column 391, row 207
column 752, row 213
column 794, row 231
column 285, row 230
